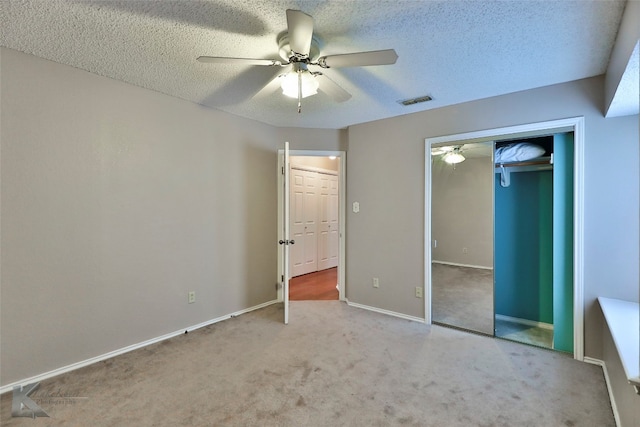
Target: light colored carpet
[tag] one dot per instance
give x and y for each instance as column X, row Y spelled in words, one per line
column 333, row 365
column 462, row 297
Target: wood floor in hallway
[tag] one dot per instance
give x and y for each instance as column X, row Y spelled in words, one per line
column 320, row 285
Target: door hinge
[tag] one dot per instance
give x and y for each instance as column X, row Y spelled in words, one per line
column 282, row 278
column 282, row 170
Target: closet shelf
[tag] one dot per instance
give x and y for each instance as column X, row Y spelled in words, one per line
column 533, row 165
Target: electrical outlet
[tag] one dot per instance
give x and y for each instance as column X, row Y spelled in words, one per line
column 192, row 297
column 418, row 292
column 465, row 250
column 376, row 282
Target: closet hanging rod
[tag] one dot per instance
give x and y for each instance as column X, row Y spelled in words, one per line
column 540, row 163
column 534, row 165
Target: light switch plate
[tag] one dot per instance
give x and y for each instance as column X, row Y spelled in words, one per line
column 356, row 207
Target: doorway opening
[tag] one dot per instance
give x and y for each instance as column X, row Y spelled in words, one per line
column 572, row 276
column 317, row 225
column 318, row 286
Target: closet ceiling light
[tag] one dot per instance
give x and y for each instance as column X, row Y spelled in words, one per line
column 453, row 157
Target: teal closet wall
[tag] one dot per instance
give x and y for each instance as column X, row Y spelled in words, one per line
column 533, row 244
column 523, row 269
column 563, row 242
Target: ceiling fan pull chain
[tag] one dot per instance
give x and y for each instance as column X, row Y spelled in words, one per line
column 299, row 91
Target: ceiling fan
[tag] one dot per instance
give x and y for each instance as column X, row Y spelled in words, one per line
column 299, row 49
column 451, row 154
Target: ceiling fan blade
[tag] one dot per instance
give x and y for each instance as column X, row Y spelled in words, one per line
column 300, row 28
column 360, row 59
column 273, row 85
column 239, row 61
column 332, row 89
column 441, row 150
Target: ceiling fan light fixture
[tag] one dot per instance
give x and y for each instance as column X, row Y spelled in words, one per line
column 453, row 157
column 289, row 84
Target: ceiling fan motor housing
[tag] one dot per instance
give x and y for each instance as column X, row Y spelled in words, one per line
column 287, row 54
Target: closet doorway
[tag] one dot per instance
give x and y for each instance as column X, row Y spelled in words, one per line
column 317, row 218
column 544, row 230
column 533, row 240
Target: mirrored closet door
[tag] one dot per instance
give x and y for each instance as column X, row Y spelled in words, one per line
column 462, row 280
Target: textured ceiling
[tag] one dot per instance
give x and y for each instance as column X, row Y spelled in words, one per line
column 454, row 51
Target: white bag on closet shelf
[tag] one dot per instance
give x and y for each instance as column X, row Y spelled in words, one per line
column 518, row 152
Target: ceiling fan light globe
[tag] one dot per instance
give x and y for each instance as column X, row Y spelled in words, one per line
column 290, row 84
column 453, row 158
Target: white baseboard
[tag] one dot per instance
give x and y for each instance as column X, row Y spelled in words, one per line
column 527, row 322
column 387, row 312
column 456, row 264
column 603, row 365
column 87, row 362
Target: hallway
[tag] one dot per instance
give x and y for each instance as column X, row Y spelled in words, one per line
column 320, row 285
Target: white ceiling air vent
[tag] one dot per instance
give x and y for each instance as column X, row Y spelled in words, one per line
column 416, row 100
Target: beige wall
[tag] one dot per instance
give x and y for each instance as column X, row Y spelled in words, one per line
column 386, row 176
column 462, row 211
column 117, row 201
column 314, row 139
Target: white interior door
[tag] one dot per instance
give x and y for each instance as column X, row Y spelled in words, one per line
column 323, row 223
column 328, row 222
column 285, row 236
column 334, row 222
column 296, row 261
column 310, row 222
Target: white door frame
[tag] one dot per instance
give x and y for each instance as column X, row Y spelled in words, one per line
column 573, row 124
column 342, row 155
